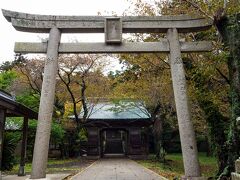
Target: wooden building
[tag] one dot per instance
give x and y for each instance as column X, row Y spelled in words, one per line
column 118, row 129
column 10, row 108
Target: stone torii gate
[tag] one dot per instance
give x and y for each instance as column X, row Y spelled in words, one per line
column 113, row 27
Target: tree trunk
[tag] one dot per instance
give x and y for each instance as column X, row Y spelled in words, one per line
column 158, row 132
column 216, row 121
column 209, row 148
column 229, row 28
column 83, row 99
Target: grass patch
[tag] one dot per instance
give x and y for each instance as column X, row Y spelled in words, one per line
column 57, row 166
column 173, row 168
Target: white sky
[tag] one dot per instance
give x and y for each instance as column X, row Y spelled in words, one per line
column 8, row 35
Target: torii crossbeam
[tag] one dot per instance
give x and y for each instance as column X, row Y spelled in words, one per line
column 113, row 27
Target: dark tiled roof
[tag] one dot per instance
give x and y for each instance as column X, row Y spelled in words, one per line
column 13, row 108
column 6, row 95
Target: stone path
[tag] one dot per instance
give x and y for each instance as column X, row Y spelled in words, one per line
column 117, row 169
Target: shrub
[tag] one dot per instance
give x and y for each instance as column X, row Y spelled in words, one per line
column 11, row 140
column 57, row 135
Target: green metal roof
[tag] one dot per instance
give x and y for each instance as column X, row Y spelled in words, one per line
column 123, row 110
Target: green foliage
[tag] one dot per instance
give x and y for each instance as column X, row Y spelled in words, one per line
column 13, row 123
column 29, row 99
column 10, row 142
column 230, row 31
column 205, row 92
column 82, row 134
column 9, row 65
column 6, row 78
column 32, row 126
column 57, row 133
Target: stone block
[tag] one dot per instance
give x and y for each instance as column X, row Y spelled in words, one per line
column 235, row 176
column 237, row 166
column 113, row 30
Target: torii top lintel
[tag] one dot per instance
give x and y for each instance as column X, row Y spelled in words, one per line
column 95, row 24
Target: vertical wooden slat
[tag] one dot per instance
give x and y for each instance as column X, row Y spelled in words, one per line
column 21, row 171
column 2, row 126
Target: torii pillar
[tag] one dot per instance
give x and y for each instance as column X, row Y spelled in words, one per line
column 40, row 154
column 186, row 130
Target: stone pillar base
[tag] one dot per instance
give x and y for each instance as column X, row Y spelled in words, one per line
column 136, row 157
column 235, row 176
column 21, row 171
column 237, row 166
column 193, row 178
column 39, row 179
column 93, row 157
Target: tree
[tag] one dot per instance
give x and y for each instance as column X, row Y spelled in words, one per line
column 77, row 72
column 212, row 101
column 229, row 28
column 29, row 83
column 85, row 84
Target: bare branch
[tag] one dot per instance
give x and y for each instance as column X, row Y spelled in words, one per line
column 196, row 6
column 224, row 77
column 168, row 65
column 30, row 81
column 67, row 84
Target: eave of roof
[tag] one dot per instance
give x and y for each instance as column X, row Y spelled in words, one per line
column 14, row 108
column 123, row 110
